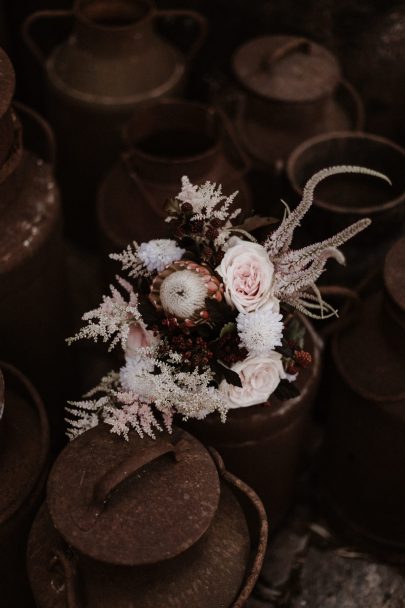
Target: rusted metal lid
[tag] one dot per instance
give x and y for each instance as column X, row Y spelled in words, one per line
column 394, row 274
column 133, row 502
column 7, row 82
column 286, row 68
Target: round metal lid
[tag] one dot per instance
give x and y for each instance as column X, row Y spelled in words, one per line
column 286, row 68
column 394, row 275
column 133, row 502
column 7, row 82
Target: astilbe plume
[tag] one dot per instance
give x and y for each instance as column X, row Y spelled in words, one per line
column 111, row 321
column 121, row 410
column 207, row 202
column 296, row 271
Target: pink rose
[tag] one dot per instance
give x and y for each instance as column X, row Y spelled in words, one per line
column 247, row 274
column 139, row 337
column 260, row 377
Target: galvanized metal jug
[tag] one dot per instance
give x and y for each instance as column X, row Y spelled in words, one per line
column 145, row 522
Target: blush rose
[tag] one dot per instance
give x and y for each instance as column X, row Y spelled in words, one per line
column 247, row 274
column 260, row 377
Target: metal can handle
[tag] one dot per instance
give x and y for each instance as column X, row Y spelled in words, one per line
column 69, row 573
column 197, row 17
column 27, row 36
column 43, row 125
column 350, row 297
column 257, row 562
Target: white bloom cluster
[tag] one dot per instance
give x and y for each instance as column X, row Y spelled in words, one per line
column 260, row 331
column 159, row 253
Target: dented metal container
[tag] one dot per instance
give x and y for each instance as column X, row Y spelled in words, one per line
column 145, row 522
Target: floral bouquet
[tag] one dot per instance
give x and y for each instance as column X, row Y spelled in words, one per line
column 206, row 320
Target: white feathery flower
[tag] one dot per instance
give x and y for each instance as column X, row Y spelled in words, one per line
column 183, row 293
column 159, row 253
column 208, row 202
column 260, row 331
column 134, row 368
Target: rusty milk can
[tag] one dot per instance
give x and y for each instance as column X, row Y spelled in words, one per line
column 364, row 452
column 163, row 141
column 145, row 522
column 24, row 448
column 348, row 198
column 33, row 295
column 264, row 444
column 113, row 59
column 290, row 88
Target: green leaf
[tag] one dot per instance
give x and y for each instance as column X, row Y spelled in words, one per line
column 227, row 329
column 256, row 221
column 286, row 390
column 230, row 376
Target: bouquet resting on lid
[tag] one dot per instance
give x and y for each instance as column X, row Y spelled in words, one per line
column 205, row 320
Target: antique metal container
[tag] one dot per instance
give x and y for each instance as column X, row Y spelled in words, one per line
column 164, row 141
column 24, row 449
column 290, row 88
column 264, row 444
column 343, row 199
column 144, row 522
column 113, row 59
column 362, row 473
column 33, row 297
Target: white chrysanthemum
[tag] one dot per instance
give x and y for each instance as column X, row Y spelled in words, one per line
column 183, row 293
column 159, row 253
column 260, row 331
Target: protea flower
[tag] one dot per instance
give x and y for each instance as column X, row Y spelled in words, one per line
column 181, row 290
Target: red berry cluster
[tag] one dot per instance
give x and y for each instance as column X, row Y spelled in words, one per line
column 194, row 349
column 229, row 350
column 300, row 360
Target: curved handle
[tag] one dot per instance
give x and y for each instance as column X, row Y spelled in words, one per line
column 349, row 296
column 135, row 179
column 60, row 561
column 233, row 138
column 257, row 563
column 199, row 19
column 43, row 125
column 298, row 44
column 111, row 481
column 30, row 21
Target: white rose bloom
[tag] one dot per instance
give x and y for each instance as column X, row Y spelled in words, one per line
column 247, row 274
column 260, row 377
